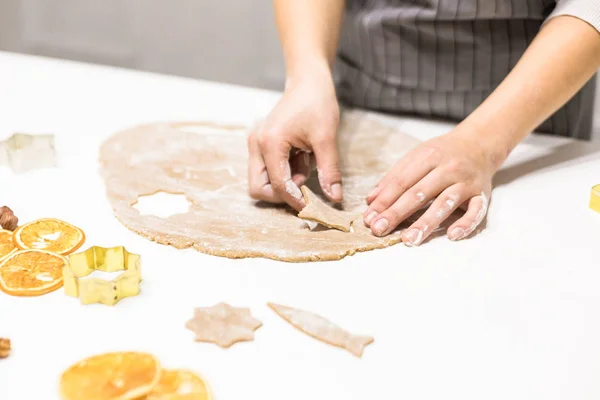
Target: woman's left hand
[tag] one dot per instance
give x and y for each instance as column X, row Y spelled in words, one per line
column 452, row 170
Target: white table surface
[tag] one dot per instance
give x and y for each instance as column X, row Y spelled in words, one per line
column 513, row 313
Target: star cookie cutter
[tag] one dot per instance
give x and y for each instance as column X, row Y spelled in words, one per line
column 23, row 152
column 97, row 290
column 595, row 199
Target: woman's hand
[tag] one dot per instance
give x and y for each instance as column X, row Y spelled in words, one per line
column 452, row 170
column 457, row 168
column 301, row 129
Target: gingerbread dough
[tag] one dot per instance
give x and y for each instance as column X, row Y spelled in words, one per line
column 322, row 329
column 223, row 325
column 317, row 211
column 210, row 169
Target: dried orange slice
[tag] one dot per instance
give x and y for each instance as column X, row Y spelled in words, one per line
column 7, row 245
column 31, row 273
column 111, row 376
column 178, row 384
column 49, row 234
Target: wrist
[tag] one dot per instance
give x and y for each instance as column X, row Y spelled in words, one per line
column 496, row 143
column 312, row 69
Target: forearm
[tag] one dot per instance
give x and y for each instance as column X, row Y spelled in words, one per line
column 561, row 59
column 308, row 31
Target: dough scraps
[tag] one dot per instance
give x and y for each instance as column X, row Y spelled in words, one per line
column 322, row 329
column 316, row 210
column 223, row 325
column 210, row 169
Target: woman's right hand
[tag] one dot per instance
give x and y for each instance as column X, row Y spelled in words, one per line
column 299, row 131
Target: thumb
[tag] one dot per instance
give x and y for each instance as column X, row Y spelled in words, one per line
column 328, row 168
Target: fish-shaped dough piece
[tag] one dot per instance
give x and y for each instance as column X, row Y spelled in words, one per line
column 322, row 329
column 318, row 211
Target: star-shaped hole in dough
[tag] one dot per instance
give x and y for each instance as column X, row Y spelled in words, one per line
column 318, row 211
column 223, row 325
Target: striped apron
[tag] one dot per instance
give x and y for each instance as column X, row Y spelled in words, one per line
column 442, row 58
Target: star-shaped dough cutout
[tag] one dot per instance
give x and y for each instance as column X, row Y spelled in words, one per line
column 317, row 210
column 223, row 325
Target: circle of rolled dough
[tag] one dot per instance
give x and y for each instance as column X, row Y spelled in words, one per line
column 210, row 170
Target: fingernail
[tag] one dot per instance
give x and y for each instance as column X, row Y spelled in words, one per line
column 414, row 237
column 381, row 226
column 456, row 234
column 336, row 191
column 285, row 169
column 370, row 217
column 293, row 190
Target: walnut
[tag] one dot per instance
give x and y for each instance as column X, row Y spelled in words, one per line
column 8, row 220
column 4, row 347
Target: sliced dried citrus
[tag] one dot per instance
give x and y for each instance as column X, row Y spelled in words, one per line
column 31, row 273
column 7, row 245
column 111, row 376
column 49, row 234
column 179, row 384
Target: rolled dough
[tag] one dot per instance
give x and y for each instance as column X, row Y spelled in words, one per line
column 210, row 169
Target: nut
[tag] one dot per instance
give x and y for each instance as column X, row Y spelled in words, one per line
column 8, row 220
column 4, row 347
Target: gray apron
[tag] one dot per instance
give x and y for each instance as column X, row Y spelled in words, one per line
column 442, row 58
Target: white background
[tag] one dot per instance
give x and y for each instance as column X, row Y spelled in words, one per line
column 223, row 40
column 509, row 314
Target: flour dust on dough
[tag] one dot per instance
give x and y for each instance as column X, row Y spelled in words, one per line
column 210, row 169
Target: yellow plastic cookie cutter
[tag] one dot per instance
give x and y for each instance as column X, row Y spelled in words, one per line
column 96, row 290
column 595, row 199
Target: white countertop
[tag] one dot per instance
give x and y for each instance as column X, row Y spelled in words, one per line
column 513, row 313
